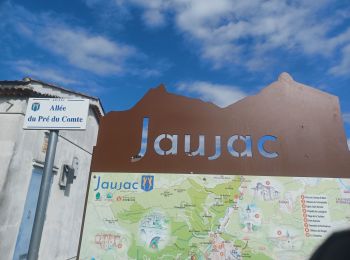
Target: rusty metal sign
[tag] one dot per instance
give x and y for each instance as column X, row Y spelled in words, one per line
column 181, row 178
column 288, row 129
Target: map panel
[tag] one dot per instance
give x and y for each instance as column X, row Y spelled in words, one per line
column 186, row 216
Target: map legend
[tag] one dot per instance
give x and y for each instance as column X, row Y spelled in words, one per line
column 315, row 215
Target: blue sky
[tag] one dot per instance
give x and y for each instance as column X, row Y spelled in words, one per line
column 219, row 50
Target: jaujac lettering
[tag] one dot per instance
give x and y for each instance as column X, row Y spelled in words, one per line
column 110, row 185
column 200, row 149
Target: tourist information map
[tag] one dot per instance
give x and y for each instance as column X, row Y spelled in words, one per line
column 187, row 216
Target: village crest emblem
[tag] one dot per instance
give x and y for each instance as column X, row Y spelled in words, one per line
column 147, row 182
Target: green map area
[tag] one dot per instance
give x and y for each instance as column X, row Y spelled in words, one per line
column 185, row 216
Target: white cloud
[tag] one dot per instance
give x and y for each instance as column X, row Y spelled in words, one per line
column 221, row 95
column 153, row 18
column 346, row 118
column 94, row 53
column 242, row 32
column 83, row 49
column 344, row 67
column 41, row 72
column 54, row 75
column 153, row 15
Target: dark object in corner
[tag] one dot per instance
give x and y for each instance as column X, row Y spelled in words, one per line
column 335, row 247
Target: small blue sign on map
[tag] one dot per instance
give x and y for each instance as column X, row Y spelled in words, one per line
column 35, row 106
column 147, row 182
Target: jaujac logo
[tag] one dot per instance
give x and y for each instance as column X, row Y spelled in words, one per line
column 147, row 184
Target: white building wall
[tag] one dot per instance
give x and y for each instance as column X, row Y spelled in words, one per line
column 64, row 213
column 19, row 151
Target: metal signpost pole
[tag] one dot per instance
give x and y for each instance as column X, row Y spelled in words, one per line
column 53, row 114
column 40, row 212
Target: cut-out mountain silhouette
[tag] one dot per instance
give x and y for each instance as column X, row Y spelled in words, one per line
column 307, row 123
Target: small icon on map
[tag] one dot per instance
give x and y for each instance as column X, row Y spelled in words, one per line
column 154, row 243
column 109, row 195
column 98, row 195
